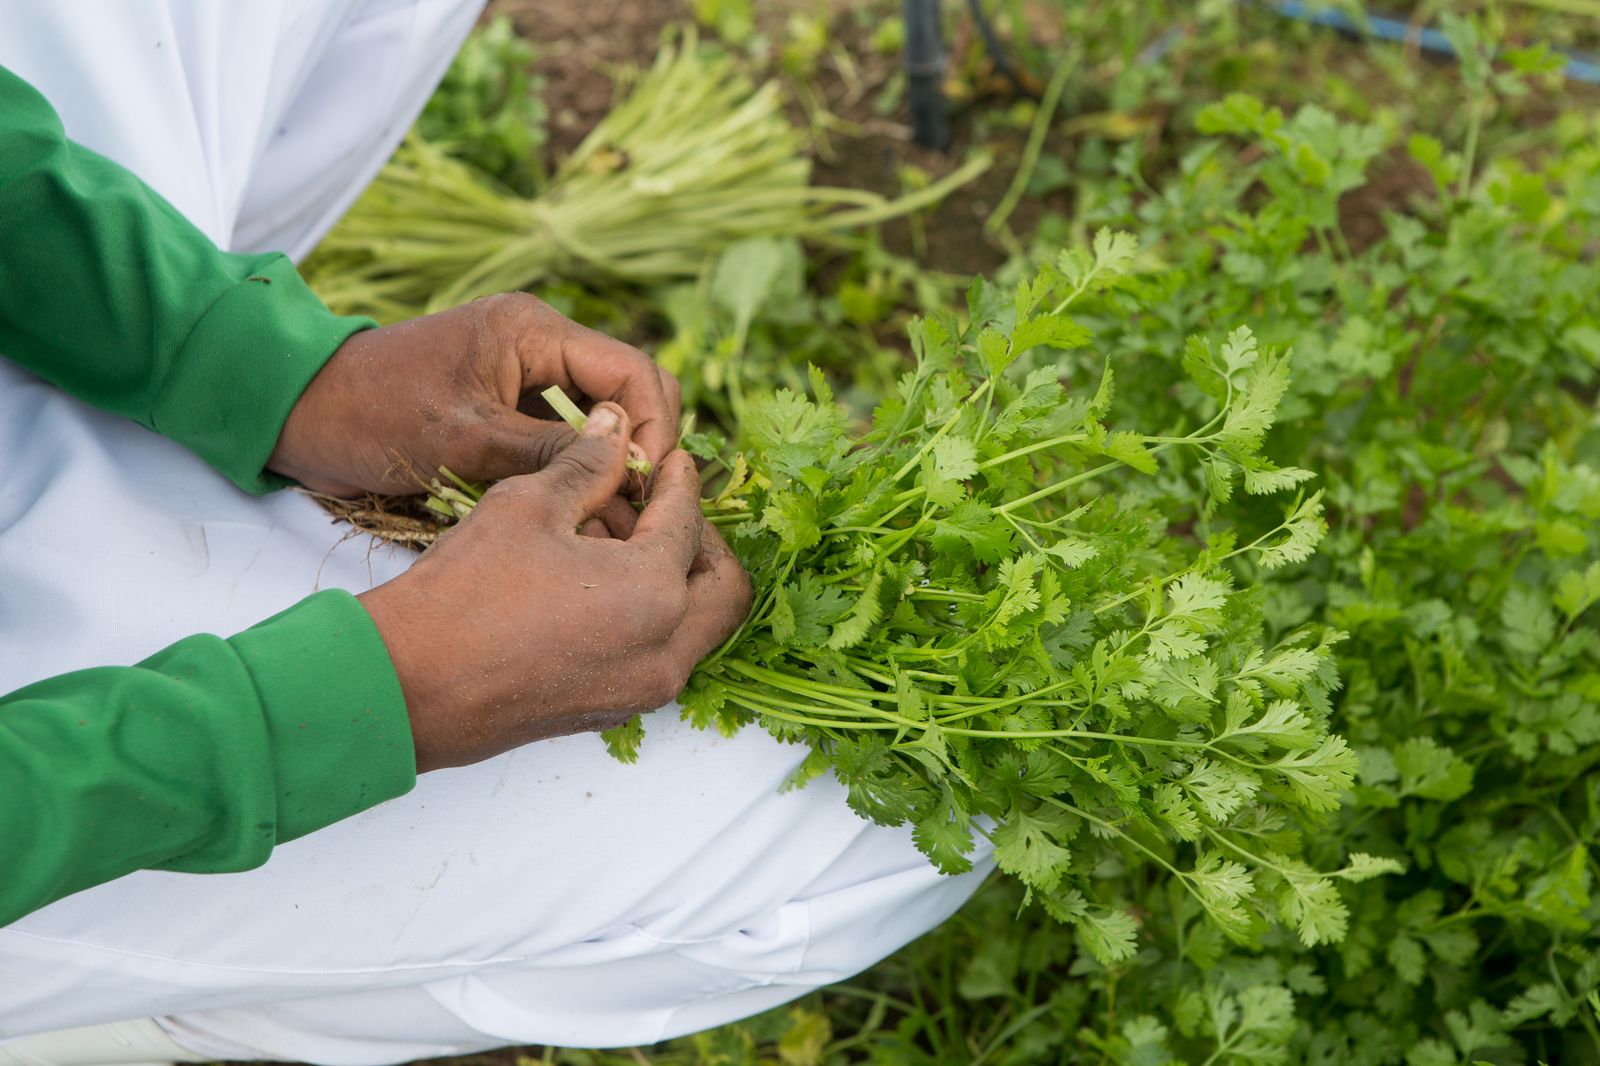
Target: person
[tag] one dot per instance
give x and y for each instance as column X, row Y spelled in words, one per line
column 525, row 888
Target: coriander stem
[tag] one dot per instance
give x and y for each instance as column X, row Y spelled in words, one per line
column 875, row 717
column 563, row 406
column 927, row 445
column 774, row 677
column 1036, row 136
column 1108, row 827
column 1037, row 446
column 751, row 704
column 1051, row 490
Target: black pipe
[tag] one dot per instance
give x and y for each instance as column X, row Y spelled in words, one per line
column 925, row 61
column 997, row 53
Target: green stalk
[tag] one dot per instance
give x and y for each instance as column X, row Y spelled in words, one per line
column 575, row 418
column 1030, row 153
column 563, row 406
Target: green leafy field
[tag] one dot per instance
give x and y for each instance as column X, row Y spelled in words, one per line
column 1230, row 559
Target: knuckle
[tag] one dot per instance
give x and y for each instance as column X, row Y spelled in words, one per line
column 744, row 593
column 511, row 304
column 506, row 315
column 666, row 680
column 664, row 610
column 643, row 365
column 503, row 492
column 519, row 493
column 673, row 604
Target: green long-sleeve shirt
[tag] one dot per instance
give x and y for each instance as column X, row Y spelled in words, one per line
column 207, row 754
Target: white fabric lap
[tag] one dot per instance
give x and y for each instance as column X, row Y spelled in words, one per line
column 551, row 895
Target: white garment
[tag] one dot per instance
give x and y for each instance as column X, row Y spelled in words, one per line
column 548, row 896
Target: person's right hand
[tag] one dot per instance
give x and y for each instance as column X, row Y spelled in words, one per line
column 515, row 628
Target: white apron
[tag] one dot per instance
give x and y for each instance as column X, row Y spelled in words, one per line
column 546, row 896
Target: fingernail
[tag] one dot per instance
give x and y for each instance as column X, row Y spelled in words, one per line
column 602, row 422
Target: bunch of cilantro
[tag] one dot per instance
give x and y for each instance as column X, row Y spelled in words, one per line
column 980, row 615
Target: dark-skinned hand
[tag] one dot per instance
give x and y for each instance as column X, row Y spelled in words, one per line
column 515, row 628
column 392, row 405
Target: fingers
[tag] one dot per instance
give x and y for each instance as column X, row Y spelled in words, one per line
column 580, row 480
column 614, row 522
column 719, row 601
column 551, row 349
column 512, row 443
column 716, row 601
column 619, row 518
column 604, row 368
column 509, row 443
column 671, row 523
column 674, row 394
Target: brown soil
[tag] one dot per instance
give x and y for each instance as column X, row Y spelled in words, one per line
column 952, row 238
column 581, row 47
column 1395, row 183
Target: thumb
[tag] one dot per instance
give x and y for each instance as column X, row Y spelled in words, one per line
column 588, row 472
column 512, row 443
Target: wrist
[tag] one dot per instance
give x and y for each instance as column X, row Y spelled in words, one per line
column 402, row 627
column 317, row 435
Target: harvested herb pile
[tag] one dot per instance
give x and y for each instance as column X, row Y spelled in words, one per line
column 692, row 160
column 975, row 615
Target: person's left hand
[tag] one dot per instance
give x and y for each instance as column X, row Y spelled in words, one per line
column 392, row 405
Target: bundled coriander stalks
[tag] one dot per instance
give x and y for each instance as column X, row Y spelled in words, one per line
column 692, row 160
column 977, row 616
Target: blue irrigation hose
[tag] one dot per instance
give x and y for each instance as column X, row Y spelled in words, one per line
column 1384, row 28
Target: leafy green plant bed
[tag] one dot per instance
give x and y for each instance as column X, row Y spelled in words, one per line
column 1265, row 658
column 1442, row 391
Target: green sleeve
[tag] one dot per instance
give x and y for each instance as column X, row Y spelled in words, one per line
column 112, row 295
column 202, row 757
